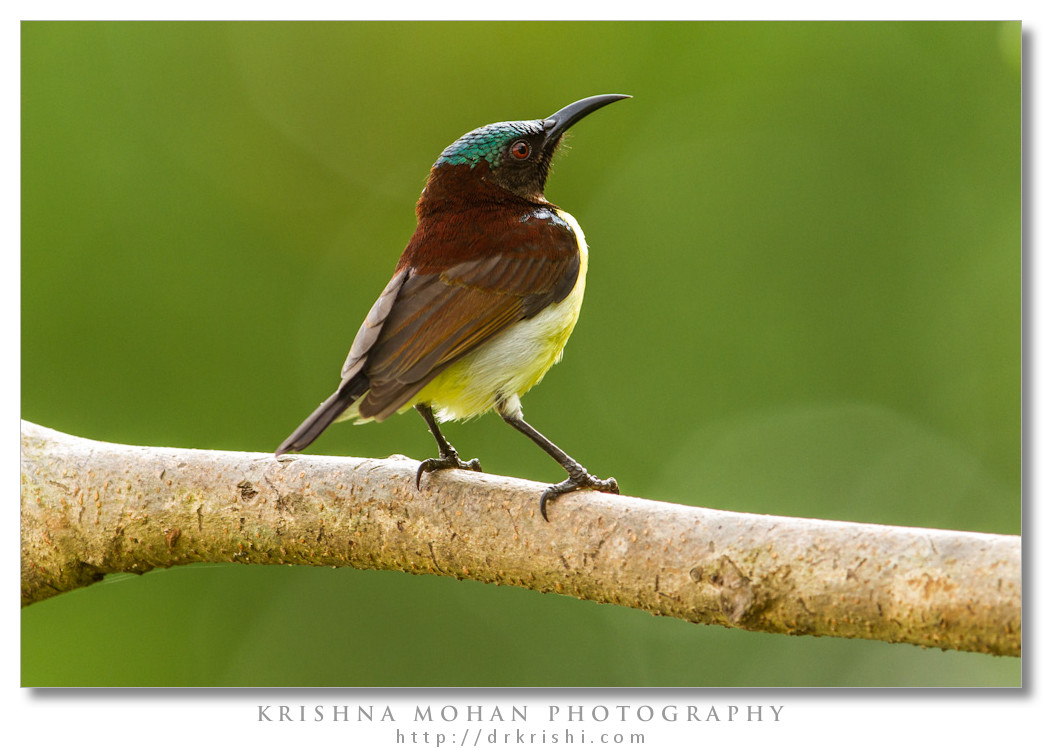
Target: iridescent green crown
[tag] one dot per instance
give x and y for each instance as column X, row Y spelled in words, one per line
column 487, row 143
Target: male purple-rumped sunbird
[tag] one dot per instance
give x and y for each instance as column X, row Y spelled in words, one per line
column 482, row 301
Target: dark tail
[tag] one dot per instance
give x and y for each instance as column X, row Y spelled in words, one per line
column 324, row 415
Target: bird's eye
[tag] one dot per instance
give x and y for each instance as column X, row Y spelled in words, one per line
column 520, row 150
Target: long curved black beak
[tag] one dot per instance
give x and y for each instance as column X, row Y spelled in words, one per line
column 561, row 120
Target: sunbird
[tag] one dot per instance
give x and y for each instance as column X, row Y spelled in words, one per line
column 482, row 301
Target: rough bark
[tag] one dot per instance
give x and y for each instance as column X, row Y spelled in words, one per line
column 91, row 508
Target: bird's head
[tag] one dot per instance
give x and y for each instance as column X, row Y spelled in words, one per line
column 514, row 155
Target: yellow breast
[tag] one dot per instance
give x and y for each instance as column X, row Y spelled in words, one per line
column 514, row 361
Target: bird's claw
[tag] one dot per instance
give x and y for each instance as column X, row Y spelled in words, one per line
column 574, row 483
column 451, row 460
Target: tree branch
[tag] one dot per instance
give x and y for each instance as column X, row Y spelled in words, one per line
column 92, row 508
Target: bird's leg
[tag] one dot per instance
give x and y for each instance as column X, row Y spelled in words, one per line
column 578, row 476
column 448, row 457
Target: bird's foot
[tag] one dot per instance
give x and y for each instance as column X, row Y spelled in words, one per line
column 448, row 460
column 577, row 480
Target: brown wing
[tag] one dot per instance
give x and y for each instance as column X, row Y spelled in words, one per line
column 470, row 289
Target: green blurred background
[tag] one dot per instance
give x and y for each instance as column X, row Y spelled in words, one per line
column 804, row 299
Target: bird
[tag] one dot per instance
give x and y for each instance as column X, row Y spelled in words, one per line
column 481, row 302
